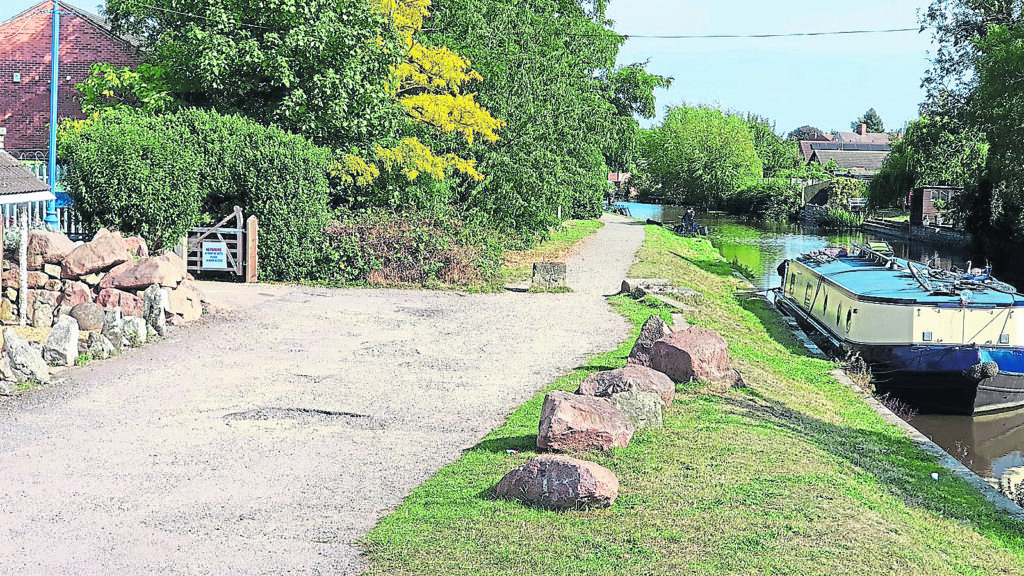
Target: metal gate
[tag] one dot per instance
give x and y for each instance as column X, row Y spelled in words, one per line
column 230, row 246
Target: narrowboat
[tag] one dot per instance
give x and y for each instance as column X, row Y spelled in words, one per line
column 945, row 341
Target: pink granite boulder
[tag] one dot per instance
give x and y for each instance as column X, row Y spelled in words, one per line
column 560, row 483
column 166, row 269
column 137, row 247
column 572, row 422
column 47, row 248
column 105, row 250
column 186, row 301
column 654, row 329
column 75, row 293
column 129, row 304
column 629, row 379
column 695, row 354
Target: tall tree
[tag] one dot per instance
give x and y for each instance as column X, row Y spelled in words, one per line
column 700, row 155
column 806, row 132
column 956, row 26
column 321, row 68
column 872, row 120
column 549, row 69
column 935, row 151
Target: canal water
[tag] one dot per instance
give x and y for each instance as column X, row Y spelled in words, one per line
column 991, row 445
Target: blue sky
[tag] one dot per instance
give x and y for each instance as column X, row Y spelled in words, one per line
column 825, row 81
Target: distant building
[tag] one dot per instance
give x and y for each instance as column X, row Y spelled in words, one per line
column 859, row 141
column 619, row 183
column 861, row 164
column 862, row 136
column 85, row 39
column 923, row 211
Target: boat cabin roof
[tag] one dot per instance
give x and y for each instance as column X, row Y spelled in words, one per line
column 875, row 282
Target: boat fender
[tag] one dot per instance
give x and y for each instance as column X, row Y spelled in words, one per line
column 982, row 371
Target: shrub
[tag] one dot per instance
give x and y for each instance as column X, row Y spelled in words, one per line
column 133, row 172
column 772, row 201
column 158, row 176
column 280, row 178
column 382, row 247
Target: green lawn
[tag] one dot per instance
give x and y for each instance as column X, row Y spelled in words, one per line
column 795, row 475
column 519, row 265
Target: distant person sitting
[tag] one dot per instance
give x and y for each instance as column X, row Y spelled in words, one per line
column 690, row 216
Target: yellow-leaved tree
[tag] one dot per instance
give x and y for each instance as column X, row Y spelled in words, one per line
column 429, row 86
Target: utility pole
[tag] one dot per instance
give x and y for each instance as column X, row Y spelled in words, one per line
column 51, row 205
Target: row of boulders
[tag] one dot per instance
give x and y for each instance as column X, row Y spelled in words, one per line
column 86, row 279
column 24, row 361
column 609, row 408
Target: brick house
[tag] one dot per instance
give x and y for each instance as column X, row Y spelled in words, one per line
column 85, row 39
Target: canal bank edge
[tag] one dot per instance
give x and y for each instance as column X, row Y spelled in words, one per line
column 945, row 459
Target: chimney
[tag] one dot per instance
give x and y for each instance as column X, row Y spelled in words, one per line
column 862, row 129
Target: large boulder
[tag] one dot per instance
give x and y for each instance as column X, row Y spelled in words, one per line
column 113, row 328
column 61, row 347
column 26, row 361
column 560, row 483
column 695, row 354
column 75, row 293
column 136, row 331
column 104, row 251
column 99, row 347
column 645, row 410
column 654, row 329
column 89, row 316
column 154, row 308
column 36, row 280
column 572, row 422
column 42, row 305
column 47, row 248
column 186, row 300
column 166, row 269
column 128, row 304
column 137, row 247
column 630, row 378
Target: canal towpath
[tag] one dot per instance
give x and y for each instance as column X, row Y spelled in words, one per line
column 271, row 438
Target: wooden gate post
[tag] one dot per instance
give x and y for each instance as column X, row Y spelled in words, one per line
column 252, row 243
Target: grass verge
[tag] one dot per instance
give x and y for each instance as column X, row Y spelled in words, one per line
column 794, row 475
column 519, row 264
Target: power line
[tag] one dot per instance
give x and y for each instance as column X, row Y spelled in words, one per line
column 200, row 16
column 23, row 25
column 734, row 36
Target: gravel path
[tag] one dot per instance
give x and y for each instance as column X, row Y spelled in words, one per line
column 270, row 439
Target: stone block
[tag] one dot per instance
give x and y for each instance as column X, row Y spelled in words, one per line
column 560, row 483
column 549, row 276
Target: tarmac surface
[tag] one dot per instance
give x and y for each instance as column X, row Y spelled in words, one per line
column 270, row 438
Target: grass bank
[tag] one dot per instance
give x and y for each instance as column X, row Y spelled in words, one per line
column 518, row 265
column 795, row 475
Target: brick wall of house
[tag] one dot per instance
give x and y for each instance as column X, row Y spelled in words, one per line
column 25, row 50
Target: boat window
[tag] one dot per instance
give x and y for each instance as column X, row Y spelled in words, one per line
column 824, row 307
column 839, row 313
column 807, row 295
column 849, row 320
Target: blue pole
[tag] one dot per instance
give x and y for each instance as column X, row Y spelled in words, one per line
column 51, row 206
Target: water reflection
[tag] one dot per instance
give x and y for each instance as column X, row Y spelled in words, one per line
column 991, row 445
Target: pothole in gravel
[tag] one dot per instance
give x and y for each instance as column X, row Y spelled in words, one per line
column 301, row 416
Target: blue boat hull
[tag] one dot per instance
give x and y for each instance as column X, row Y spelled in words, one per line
column 943, row 379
